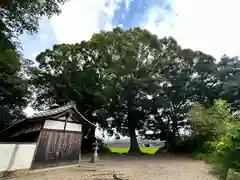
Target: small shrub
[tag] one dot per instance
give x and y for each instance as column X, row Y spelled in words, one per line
column 190, row 144
column 227, row 153
column 201, row 156
column 220, row 132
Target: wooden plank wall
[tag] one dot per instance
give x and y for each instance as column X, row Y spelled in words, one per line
column 57, row 147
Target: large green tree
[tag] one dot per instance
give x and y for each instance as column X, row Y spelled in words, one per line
column 109, row 77
column 67, row 72
column 229, row 76
column 128, row 76
column 129, row 81
column 13, row 91
column 187, row 76
column 16, row 18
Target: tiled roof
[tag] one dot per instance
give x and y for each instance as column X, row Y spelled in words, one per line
column 68, row 106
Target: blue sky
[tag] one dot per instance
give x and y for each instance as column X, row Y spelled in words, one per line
column 109, row 14
column 208, row 25
column 211, row 26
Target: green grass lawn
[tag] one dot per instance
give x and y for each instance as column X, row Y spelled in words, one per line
column 149, row 150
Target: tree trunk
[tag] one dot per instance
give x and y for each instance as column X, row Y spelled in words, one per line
column 171, row 144
column 171, row 141
column 134, row 147
column 87, row 143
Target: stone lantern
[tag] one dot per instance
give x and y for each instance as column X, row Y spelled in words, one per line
column 95, row 156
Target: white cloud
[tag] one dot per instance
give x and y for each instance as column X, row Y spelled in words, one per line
column 120, row 25
column 80, row 19
column 127, row 3
column 108, row 27
column 211, row 26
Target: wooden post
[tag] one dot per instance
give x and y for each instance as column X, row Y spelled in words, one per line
column 80, row 151
column 80, row 148
column 79, row 157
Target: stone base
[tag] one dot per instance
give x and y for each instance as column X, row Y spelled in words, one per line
column 93, row 159
column 15, row 173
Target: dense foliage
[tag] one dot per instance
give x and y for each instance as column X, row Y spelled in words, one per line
column 128, row 80
column 220, row 131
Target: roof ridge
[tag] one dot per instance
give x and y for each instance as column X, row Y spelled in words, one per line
column 70, row 104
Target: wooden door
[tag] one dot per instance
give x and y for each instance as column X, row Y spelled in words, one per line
column 57, row 148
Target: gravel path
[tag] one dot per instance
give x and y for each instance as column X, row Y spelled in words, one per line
column 164, row 168
column 138, row 168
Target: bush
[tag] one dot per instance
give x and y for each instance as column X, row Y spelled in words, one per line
column 191, row 144
column 201, row 156
column 186, row 145
column 220, row 132
column 227, row 153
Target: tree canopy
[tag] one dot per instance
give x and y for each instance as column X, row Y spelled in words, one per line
column 16, row 18
column 130, row 80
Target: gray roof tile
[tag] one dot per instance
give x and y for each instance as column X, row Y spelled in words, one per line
column 68, row 106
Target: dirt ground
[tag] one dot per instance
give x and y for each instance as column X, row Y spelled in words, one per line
column 135, row 168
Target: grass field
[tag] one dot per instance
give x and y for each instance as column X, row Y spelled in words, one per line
column 149, row 150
